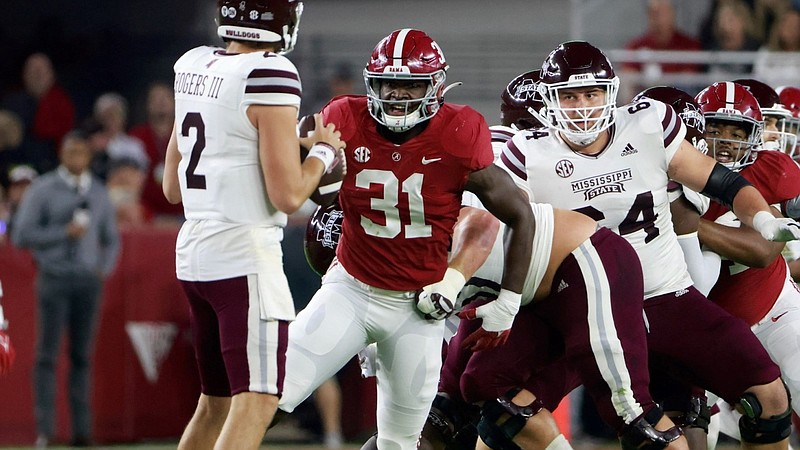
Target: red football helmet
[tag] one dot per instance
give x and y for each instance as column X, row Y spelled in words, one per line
column 790, row 99
column 518, row 98
column 406, row 54
column 260, row 21
column 323, row 231
column 777, row 134
column 578, row 64
column 688, row 110
column 728, row 103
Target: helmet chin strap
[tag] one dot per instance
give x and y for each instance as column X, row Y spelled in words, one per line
column 771, row 145
column 398, row 124
column 580, row 139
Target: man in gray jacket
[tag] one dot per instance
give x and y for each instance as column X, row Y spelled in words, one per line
column 67, row 220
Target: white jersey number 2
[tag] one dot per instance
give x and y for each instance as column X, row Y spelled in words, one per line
column 388, row 204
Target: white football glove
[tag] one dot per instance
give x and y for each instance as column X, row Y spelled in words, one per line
column 776, row 229
column 498, row 316
column 437, row 301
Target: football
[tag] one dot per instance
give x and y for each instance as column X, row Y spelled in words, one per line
column 328, row 188
column 323, row 231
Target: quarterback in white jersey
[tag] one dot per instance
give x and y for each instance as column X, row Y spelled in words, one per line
column 234, row 161
column 613, row 164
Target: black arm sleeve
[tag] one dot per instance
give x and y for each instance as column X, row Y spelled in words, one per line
column 723, row 184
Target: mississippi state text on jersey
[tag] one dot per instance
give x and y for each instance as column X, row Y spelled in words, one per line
column 623, row 188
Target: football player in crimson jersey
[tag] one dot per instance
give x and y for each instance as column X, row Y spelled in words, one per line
column 790, row 99
column 613, row 164
column 410, row 156
column 754, row 283
column 778, row 133
column 234, row 161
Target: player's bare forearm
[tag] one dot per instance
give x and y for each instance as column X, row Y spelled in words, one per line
column 473, row 239
column 743, row 245
column 505, row 201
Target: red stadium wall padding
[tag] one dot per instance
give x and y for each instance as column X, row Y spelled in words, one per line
column 141, row 298
column 145, row 378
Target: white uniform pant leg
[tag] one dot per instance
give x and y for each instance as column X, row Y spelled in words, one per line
column 409, row 362
column 325, row 335
column 779, row 332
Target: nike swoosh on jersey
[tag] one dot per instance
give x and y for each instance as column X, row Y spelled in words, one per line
column 426, row 161
column 775, row 319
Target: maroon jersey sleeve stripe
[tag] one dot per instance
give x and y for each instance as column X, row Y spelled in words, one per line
column 671, row 126
column 272, row 73
column 272, row 89
column 509, row 152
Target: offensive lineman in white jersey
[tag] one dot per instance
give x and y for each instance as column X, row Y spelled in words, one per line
column 613, row 164
column 234, row 161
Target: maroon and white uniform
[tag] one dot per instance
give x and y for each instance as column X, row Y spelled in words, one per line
column 624, row 188
column 400, row 204
column 228, row 252
column 766, row 298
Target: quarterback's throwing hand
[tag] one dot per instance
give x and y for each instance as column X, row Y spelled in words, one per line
column 776, row 229
column 497, row 316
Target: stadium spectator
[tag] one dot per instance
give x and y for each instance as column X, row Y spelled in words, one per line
column 154, row 134
column 732, row 31
column 662, row 34
column 111, row 110
column 124, row 183
column 46, row 110
column 67, row 220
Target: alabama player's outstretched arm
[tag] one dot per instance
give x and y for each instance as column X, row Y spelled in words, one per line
column 473, row 237
column 741, row 244
column 703, row 174
column 506, row 201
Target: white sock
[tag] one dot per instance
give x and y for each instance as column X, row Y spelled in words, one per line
column 559, row 443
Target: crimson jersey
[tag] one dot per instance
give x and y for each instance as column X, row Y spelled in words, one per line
column 400, row 202
column 745, row 292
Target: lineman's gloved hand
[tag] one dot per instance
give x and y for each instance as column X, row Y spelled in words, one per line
column 498, row 316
